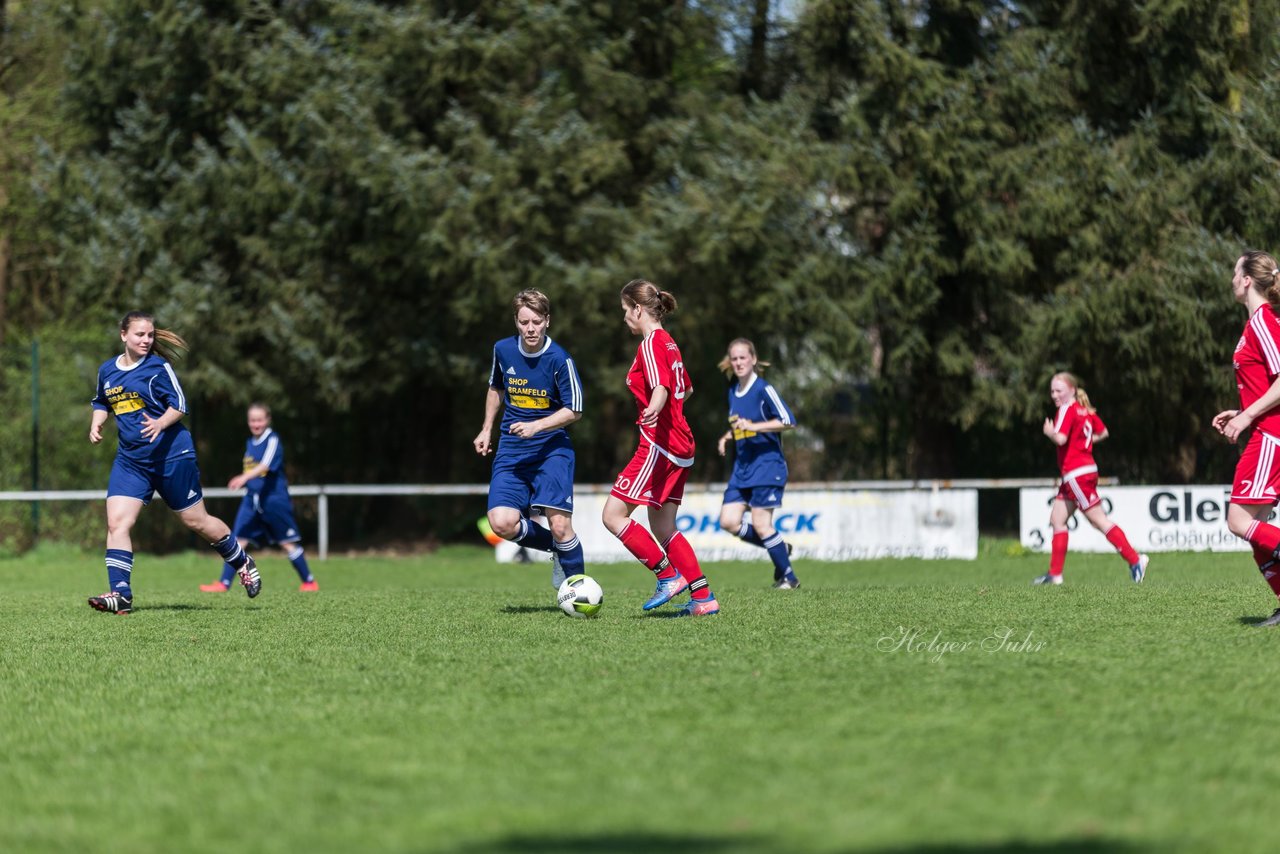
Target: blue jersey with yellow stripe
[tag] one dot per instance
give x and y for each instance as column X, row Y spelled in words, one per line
column 147, row 387
column 758, row 459
column 267, row 450
column 533, row 386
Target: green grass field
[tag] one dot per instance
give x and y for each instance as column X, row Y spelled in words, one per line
column 441, row 703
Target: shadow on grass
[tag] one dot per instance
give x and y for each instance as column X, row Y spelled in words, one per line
column 176, row 606
column 624, row 843
column 1251, row 621
column 1059, row 846
column 529, row 609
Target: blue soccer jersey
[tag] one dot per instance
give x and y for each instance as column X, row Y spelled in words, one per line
column 533, row 386
column 148, row 387
column 758, row 459
column 266, row 450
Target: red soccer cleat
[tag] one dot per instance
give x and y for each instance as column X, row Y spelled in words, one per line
column 312, row 585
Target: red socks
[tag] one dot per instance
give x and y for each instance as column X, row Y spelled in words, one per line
column 1117, row 538
column 641, row 543
column 1269, row 567
column 1058, row 553
column 1264, row 536
column 682, row 556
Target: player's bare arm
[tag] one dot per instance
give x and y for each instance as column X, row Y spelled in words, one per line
column 153, row 427
column 95, row 425
column 483, row 443
column 656, row 403
column 1244, row 419
column 557, row 419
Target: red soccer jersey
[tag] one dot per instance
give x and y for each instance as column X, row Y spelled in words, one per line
column 1257, row 363
column 1079, row 425
column 658, row 363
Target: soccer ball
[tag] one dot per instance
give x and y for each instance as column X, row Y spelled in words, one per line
column 580, row 596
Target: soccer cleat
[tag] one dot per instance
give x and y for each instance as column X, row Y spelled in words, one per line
column 1273, row 620
column 668, row 589
column 1139, row 570
column 700, row 607
column 311, row 585
column 1047, row 578
column 787, row 582
column 557, row 571
column 215, row 587
column 111, row 603
column 249, row 577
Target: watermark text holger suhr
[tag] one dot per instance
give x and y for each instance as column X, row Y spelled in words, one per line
column 912, row 639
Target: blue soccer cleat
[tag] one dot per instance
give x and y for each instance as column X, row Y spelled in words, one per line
column 1139, row 570
column 668, row 589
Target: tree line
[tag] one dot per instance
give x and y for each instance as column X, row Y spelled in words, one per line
column 919, row 210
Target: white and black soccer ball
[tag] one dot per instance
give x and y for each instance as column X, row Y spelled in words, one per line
column 580, row 596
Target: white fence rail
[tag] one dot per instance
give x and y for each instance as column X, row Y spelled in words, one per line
column 323, row 492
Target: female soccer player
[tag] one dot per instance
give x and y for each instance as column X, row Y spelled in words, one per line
column 534, row 381
column 656, row 475
column 155, row 454
column 757, row 419
column 1256, row 285
column 266, row 511
column 1075, row 430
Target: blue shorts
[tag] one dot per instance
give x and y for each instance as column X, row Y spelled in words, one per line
column 763, row 497
column 177, row 481
column 266, row 523
column 543, row 480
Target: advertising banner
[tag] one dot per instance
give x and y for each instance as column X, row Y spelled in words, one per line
column 820, row 525
column 1154, row 519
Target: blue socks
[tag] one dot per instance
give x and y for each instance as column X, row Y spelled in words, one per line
column 778, row 554
column 299, row 561
column 119, row 570
column 747, row 533
column 534, row 536
column 571, row 559
column 230, row 551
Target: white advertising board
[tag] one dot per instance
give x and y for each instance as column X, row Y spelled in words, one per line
column 1154, row 519
column 820, row 525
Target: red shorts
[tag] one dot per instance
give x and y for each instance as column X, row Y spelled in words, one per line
column 1082, row 489
column 650, row 479
column 1257, row 478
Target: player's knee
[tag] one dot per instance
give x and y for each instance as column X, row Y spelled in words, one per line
column 561, row 530
column 730, row 521
column 1239, row 523
column 764, row 530
column 119, row 526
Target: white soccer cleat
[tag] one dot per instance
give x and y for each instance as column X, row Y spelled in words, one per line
column 1047, row 578
column 1139, row 570
column 557, row 571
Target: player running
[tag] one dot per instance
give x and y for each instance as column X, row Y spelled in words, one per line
column 534, row 381
column 1075, row 430
column 265, row 516
column 757, row 418
column 656, row 475
column 155, row 454
column 1256, row 285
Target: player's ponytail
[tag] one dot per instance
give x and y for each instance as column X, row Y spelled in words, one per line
column 644, row 293
column 1262, row 268
column 168, row 345
column 727, row 368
